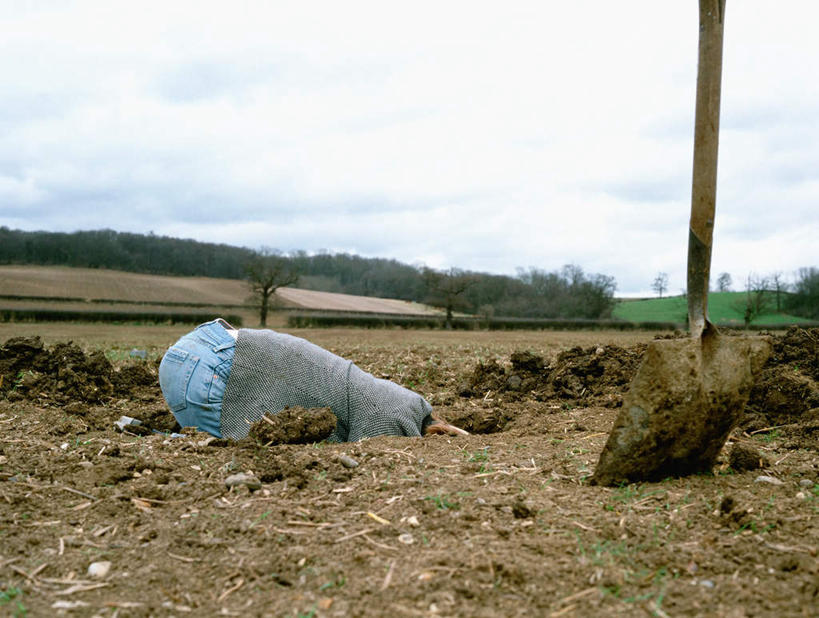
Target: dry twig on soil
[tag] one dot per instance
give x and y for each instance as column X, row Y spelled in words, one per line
column 388, row 578
column 231, row 590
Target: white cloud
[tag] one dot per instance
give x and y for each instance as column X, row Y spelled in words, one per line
column 472, row 134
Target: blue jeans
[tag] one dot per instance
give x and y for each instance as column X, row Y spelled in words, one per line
column 193, row 375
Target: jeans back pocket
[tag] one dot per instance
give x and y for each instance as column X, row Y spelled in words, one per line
column 221, row 373
column 175, row 372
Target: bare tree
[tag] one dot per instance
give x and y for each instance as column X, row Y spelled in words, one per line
column 724, row 282
column 756, row 300
column 779, row 286
column 266, row 272
column 660, row 284
column 446, row 288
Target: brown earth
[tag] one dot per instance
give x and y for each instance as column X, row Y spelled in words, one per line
column 294, row 425
column 93, row 283
column 334, row 301
column 502, row 522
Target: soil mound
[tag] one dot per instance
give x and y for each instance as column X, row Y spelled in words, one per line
column 602, row 374
column 785, row 392
column 64, row 373
column 803, row 434
column 788, row 386
column 485, row 377
column 134, row 376
column 798, row 347
column 596, row 375
column 294, row 425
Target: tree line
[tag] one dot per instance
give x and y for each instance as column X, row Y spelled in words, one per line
column 532, row 293
column 537, row 293
column 773, row 293
column 766, row 293
column 142, row 253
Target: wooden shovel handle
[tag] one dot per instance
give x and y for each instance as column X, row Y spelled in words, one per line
column 706, row 148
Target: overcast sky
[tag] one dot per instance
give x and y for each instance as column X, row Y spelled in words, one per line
column 482, row 135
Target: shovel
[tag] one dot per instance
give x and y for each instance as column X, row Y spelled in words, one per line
column 688, row 394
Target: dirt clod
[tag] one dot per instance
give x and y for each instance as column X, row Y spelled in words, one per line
column 294, row 425
column 521, row 510
column 526, row 362
column 481, row 420
column 744, row 458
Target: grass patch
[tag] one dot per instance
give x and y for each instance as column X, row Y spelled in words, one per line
column 723, row 308
column 10, row 598
column 444, row 502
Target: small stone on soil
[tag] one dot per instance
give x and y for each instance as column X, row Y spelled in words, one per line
column 235, row 480
column 99, row 569
column 768, row 479
column 348, row 462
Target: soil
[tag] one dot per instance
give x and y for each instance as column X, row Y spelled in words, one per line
column 501, row 522
column 744, row 457
column 294, row 425
column 594, row 376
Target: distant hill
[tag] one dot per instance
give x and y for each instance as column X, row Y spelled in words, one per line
column 533, row 293
column 71, row 285
column 163, row 255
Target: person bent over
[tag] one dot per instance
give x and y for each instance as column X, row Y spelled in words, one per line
column 221, row 380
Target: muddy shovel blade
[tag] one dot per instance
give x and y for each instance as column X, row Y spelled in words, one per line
column 685, row 399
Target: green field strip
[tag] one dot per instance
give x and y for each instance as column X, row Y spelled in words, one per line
column 723, row 308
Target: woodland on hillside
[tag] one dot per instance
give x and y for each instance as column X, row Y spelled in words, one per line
column 567, row 293
column 534, row 293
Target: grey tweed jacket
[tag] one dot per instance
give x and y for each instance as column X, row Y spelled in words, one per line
column 273, row 370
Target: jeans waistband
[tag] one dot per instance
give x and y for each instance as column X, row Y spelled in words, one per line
column 214, row 335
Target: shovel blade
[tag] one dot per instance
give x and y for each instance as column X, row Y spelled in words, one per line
column 682, row 404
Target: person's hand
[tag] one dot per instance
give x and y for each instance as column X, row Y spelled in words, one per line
column 439, row 427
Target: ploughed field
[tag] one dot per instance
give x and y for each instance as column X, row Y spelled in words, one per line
column 500, row 523
column 78, row 290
